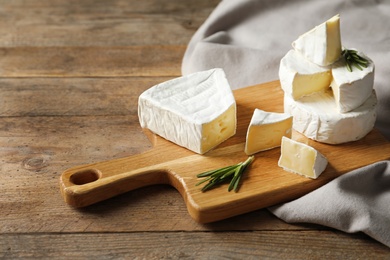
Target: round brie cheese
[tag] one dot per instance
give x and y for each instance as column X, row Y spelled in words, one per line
column 317, row 117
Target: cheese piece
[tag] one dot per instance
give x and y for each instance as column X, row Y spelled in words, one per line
column 322, row 44
column 300, row 77
column 301, row 159
column 266, row 130
column 196, row 111
column 317, row 117
column 352, row 89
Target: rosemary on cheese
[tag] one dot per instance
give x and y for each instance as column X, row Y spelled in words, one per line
column 230, row 173
column 352, row 58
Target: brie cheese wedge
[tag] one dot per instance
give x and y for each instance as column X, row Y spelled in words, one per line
column 266, row 130
column 196, row 111
column 322, row 44
column 352, row 89
column 301, row 159
column 300, row 77
column 317, row 117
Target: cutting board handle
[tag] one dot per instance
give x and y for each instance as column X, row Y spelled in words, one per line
column 85, row 185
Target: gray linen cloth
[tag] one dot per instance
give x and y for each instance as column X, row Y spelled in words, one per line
column 247, row 38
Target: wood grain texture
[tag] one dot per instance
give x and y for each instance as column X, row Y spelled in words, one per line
column 193, row 245
column 61, row 107
column 98, row 23
column 73, row 96
column 264, row 185
column 91, row 61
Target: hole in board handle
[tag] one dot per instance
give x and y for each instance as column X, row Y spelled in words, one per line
column 85, row 176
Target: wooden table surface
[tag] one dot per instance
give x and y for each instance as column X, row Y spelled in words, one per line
column 70, row 76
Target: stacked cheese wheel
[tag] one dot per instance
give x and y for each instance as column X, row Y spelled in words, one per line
column 328, row 102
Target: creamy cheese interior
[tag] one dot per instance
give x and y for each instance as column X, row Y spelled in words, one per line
column 266, row 130
column 301, row 159
column 218, row 130
column 333, row 40
column 304, row 85
column 300, row 77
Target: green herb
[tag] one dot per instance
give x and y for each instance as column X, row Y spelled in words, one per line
column 352, row 58
column 230, row 173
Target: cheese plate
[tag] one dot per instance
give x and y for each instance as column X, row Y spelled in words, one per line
column 263, row 184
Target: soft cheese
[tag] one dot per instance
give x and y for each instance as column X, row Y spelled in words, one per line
column 302, row 159
column 300, row 77
column 197, row 111
column 266, row 130
column 316, row 116
column 352, row 89
column 322, row 44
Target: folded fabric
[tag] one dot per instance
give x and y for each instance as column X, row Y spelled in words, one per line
column 356, row 201
column 248, row 38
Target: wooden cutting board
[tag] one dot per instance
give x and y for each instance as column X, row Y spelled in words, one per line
column 263, row 184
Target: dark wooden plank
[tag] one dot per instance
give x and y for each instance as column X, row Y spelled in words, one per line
column 91, row 61
column 73, row 96
column 193, row 245
column 96, row 23
column 93, row 6
column 68, row 140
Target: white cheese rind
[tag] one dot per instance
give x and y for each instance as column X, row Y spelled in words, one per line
column 266, row 130
column 317, row 118
column 197, row 111
column 322, row 44
column 301, row 159
column 352, row 89
column 300, row 77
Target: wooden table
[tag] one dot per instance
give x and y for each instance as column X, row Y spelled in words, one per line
column 70, row 76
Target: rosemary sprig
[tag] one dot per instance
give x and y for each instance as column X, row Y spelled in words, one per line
column 352, row 58
column 230, row 173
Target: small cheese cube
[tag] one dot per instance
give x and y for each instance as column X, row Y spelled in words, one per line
column 301, row 159
column 266, row 130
